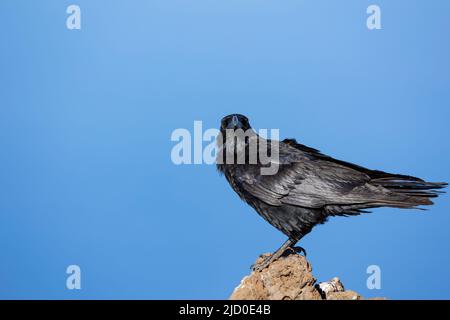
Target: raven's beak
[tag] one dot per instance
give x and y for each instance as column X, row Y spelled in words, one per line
column 234, row 123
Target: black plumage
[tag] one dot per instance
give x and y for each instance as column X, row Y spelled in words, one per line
column 309, row 186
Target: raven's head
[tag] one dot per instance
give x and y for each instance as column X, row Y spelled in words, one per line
column 233, row 139
column 235, row 122
column 239, row 144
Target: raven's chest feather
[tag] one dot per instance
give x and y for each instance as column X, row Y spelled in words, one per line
column 291, row 220
column 233, row 174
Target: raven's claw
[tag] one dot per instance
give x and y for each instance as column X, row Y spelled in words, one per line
column 269, row 259
column 263, row 264
column 299, row 250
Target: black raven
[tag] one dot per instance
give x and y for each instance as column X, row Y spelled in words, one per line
column 308, row 186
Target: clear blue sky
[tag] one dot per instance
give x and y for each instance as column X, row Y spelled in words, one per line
column 86, row 117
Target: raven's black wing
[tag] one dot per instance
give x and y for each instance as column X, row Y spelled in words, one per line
column 307, row 178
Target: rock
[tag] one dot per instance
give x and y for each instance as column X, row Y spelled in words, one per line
column 346, row 295
column 289, row 278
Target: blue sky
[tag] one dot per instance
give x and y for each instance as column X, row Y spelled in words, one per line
column 86, row 117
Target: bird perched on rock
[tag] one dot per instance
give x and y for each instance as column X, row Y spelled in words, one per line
column 307, row 186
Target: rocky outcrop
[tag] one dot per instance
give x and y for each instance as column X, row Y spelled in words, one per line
column 290, row 278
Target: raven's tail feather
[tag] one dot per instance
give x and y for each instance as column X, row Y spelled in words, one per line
column 407, row 191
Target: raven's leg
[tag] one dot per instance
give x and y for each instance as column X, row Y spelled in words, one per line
column 268, row 260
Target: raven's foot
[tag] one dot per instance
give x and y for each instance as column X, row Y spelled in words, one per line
column 267, row 260
column 289, row 244
column 259, row 266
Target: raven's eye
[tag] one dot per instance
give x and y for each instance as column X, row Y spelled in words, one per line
column 244, row 122
column 224, row 123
